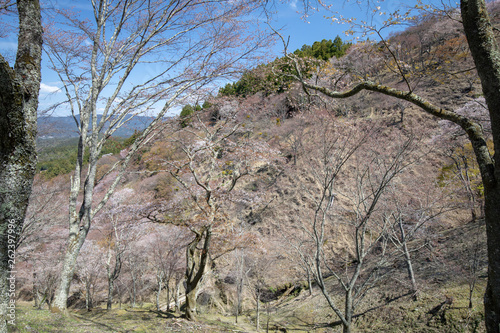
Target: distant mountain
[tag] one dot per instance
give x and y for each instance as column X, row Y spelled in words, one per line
column 65, row 127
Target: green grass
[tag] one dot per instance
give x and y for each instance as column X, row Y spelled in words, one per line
column 295, row 314
column 142, row 320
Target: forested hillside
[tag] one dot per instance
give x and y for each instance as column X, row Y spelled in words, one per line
column 275, row 208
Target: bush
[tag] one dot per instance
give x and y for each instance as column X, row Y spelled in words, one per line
column 324, row 50
column 187, row 112
column 271, row 78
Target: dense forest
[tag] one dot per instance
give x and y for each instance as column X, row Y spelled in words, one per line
column 271, row 206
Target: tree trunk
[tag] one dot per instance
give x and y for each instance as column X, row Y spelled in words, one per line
column 411, row 274
column 348, row 312
column 239, row 288
column 88, row 296
column 169, row 291
column 111, row 287
column 257, row 319
column 486, row 54
column 119, row 292
column 409, row 266
column 177, row 294
column 158, row 296
column 191, row 302
column 113, row 274
column 36, row 292
column 309, row 281
column 134, row 292
column 79, row 222
column 19, row 89
column 492, row 295
column 67, row 272
column 195, row 269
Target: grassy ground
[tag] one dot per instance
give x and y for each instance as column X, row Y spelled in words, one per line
column 30, row 320
column 295, row 314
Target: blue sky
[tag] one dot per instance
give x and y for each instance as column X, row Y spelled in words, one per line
column 317, row 26
column 288, row 18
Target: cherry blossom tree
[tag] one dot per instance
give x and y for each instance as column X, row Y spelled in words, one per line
column 168, row 246
column 41, row 239
column 45, row 270
column 211, row 161
column 117, row 222
column 89, row 271
column 129, row 58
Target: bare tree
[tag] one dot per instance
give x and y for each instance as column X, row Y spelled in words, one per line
column 407, row 221
column 134, row 57
column 19, row 87
column 259, row 266
column 117, row 217
column 89, row 270
column 168, row 246
column 484, row 49
column 345, row 157
column 115, row 248
column 137, row 266
column 44, row 200
column 45, row 272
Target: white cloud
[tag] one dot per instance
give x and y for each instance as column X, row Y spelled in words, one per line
column 45, row 88
column 8, row 45
column 293, row 4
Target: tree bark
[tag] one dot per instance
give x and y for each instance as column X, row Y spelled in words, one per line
column 68, row 271
column 411, row 274
column 486, row 54
column 239, row 288
column 257, row 319
column 88, row 296
column 177, row 295
column 348, row 312
column 79, row 222
column 36, row 292
column 196, row 266
column 158, row 293
column 133, row 295
column 111, row 287
column 113, row 274
column 19, row 88
column 169, row 288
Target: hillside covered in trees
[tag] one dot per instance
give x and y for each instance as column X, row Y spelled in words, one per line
column 273, row 208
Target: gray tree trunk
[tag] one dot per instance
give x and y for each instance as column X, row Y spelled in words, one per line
column 133, row 295
column 88, row 296
column 239, row 288
column 69, row 264
column 158, row 293
column 309, row 280
column 36, row 292
column 79, row 222
column 113, row 274
column 167, row 285
column 347, row 324
column 257, row 319
column 111, row 287
column 177, row 296
column 19, row 87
